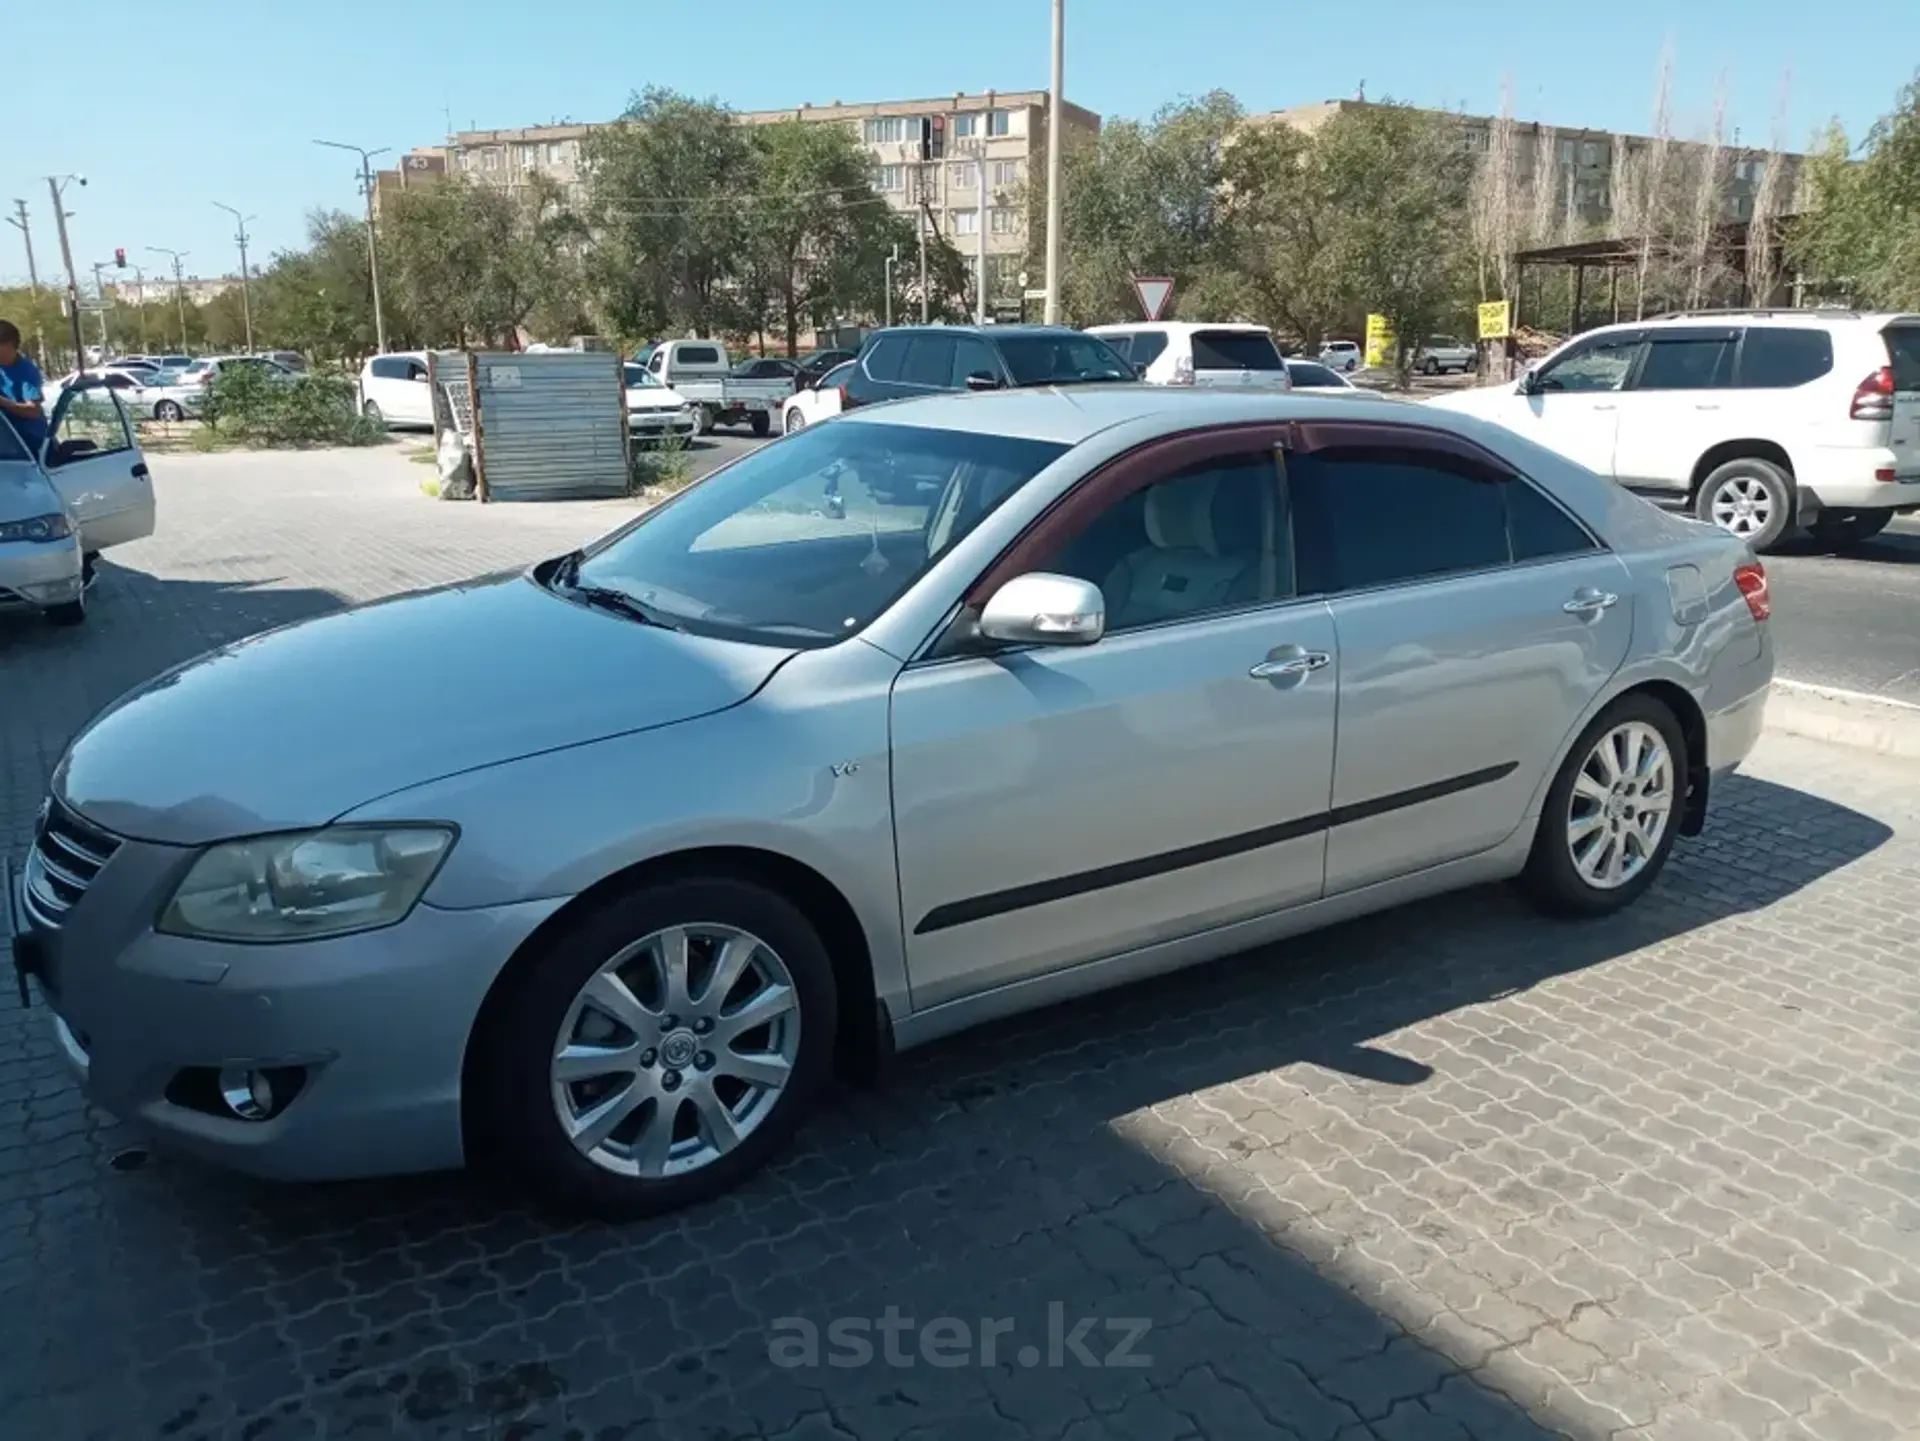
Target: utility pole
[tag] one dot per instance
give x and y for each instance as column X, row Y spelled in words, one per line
column 373, row 258
column 100, row 294
column 926, row 224
column 140, row 290
column 246, row 286
column 19, row 222
column 179, row 288
column 1054, row 142
column 55, row 184
column 980, row 241
column 892, row 260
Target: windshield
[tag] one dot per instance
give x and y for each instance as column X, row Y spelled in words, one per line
column 1061, row 359
column 810, row 539
column 637, row 377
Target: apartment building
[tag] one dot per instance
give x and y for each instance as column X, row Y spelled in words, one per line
column 161, row 287
column 977, row 196
column 1580, row 165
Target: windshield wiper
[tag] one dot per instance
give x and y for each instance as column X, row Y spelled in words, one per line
column 605, row 597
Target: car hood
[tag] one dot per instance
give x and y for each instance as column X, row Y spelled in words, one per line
column 295, row 727
column 654, row 397
column 1481, row 400
column 25, row 492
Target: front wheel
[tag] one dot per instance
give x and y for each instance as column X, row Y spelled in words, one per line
column 372, row 413
column 1849, row 527
column 795, row 421
column 1612, row 812
column 661, row 1049
column 1432, row 367
column 168, row 410
column 1750, row 497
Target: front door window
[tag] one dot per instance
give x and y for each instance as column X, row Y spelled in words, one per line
column 86, row 423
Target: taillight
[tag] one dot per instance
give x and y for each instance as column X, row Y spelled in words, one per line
column 1752, row 580
column 1873, row 397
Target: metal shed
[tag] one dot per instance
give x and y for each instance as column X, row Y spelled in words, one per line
column 548, row 426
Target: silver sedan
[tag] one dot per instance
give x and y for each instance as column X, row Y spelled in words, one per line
column 956, row 707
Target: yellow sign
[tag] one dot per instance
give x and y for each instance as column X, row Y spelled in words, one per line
column 1496, row 320
column 1380, row 348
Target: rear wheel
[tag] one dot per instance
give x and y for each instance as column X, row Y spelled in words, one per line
column 1750, row 497
column 661, row 1049
column 1612, row 813
column 1432, row 367
column 761, row 423
column 1849, row 527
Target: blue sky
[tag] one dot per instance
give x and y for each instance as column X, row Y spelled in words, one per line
column 168, row 110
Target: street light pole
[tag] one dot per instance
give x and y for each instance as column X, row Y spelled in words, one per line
column 1054, row 142
column 140, row 302
column 892, row 260
column 373, row 257
column 56, row 184
column 179, row 288
column 100, row 294
column 246, row 288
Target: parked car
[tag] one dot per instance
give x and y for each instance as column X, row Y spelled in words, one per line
column 1760, row 421
column 655, row 411
column 1312, row 375
column 394, row 390
column 765, row 367
column 1181, row 353
column 201, row 372
column 173, row 362
column 157, row 394
column 822, row 400
column 93, row 464
column 1341, row 355
column 291, row 360
column 698, row 369
column 1145, row 678
column 815, row 366
column 916, row 360
column 1442, row 353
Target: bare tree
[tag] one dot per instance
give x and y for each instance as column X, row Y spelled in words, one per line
column 1763, row 243
column 1652, row 179
column 1708, row 196
column 1544, row 195
column 1495, row 222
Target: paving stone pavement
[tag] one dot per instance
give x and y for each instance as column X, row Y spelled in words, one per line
column 1447, row 1172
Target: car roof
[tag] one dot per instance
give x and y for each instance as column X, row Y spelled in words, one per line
column 988, row 331
column 1068, row 415
column 1179, row 327
column 1829, row 318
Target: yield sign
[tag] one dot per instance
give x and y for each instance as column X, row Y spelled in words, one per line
column 1154, row 292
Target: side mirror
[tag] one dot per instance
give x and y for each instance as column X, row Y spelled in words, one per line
column 1529, row 382
column 1044, row 609
column 1140, row 369
column 980, row 380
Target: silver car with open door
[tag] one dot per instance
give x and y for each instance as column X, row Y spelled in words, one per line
column 40, row 566
column 948, row 709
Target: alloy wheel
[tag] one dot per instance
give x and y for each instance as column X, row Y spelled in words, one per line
column 1742, row 504
column 675, row 1050
column 1621, row 805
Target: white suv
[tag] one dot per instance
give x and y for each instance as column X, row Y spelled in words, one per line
column 1762, row 420
column 1179, row 352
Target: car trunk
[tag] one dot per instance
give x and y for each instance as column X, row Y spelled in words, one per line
column 1903, row 351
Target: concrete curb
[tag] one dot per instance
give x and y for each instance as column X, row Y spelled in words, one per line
column 1845, row 717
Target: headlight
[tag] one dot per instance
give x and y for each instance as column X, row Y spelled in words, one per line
column 41, row 527
column 307, row 884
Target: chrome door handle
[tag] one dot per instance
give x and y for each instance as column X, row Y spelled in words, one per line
column 1706, row 407
column 1587, row 602
column 1606, row 407
column 1293, row 665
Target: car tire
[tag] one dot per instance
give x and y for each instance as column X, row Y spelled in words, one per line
column 703, row 420
column 546, row 1007
column 761, row 422
column 795, row 421
column 1849, row 527
column 1749, row 497
column 1432, row 367
column 1596, row 811
column 372, row 412
column 169, row 411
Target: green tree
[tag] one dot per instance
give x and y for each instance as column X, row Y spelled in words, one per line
column 665, row 206
column 1859, row 234
column 468, row 263
column 1284, row 209
column 319, row 300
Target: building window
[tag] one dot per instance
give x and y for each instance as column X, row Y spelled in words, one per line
column 466, row 160
column 1006, row 172
column 962, row 175
column 890, row 177
column 529, row 157
column 555, row 150
column 997, row 123
column 965, row 127
column 489, row 159
column 966, row 222
column 884, row 130
column 1590, row 153
column 1003, row 220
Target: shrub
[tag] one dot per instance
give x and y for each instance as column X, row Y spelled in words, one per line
column 663, row 466
column 255, row 406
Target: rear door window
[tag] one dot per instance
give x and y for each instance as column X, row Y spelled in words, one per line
column 1379, row 515
column 1686, row 363
column 972, row 356
column 1778, row 357
column 1235, row 350
column 1120, row 340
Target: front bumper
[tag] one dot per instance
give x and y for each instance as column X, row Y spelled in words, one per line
column 660, row 422
column 39, row 574
column 374, row 1026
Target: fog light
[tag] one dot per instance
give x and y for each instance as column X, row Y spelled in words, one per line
column 248, row 1094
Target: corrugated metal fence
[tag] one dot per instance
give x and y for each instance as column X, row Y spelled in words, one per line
column 548, row 426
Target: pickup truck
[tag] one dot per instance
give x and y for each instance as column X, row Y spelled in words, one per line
column 700, row 371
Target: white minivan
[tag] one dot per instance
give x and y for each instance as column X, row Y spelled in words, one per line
column 394, row 389
column 1760, row 421
column 1175, row 352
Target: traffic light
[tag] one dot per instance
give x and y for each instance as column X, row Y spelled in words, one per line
column 120, row 257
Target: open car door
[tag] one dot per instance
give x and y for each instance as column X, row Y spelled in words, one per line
column 97, row 467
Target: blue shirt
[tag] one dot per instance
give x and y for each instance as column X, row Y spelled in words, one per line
column 21, row 382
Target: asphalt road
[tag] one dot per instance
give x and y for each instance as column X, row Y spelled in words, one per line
column 1852, row 620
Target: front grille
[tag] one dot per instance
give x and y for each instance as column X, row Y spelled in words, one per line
column 67, row 854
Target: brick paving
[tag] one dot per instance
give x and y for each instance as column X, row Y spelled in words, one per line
column 1446, row 1172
